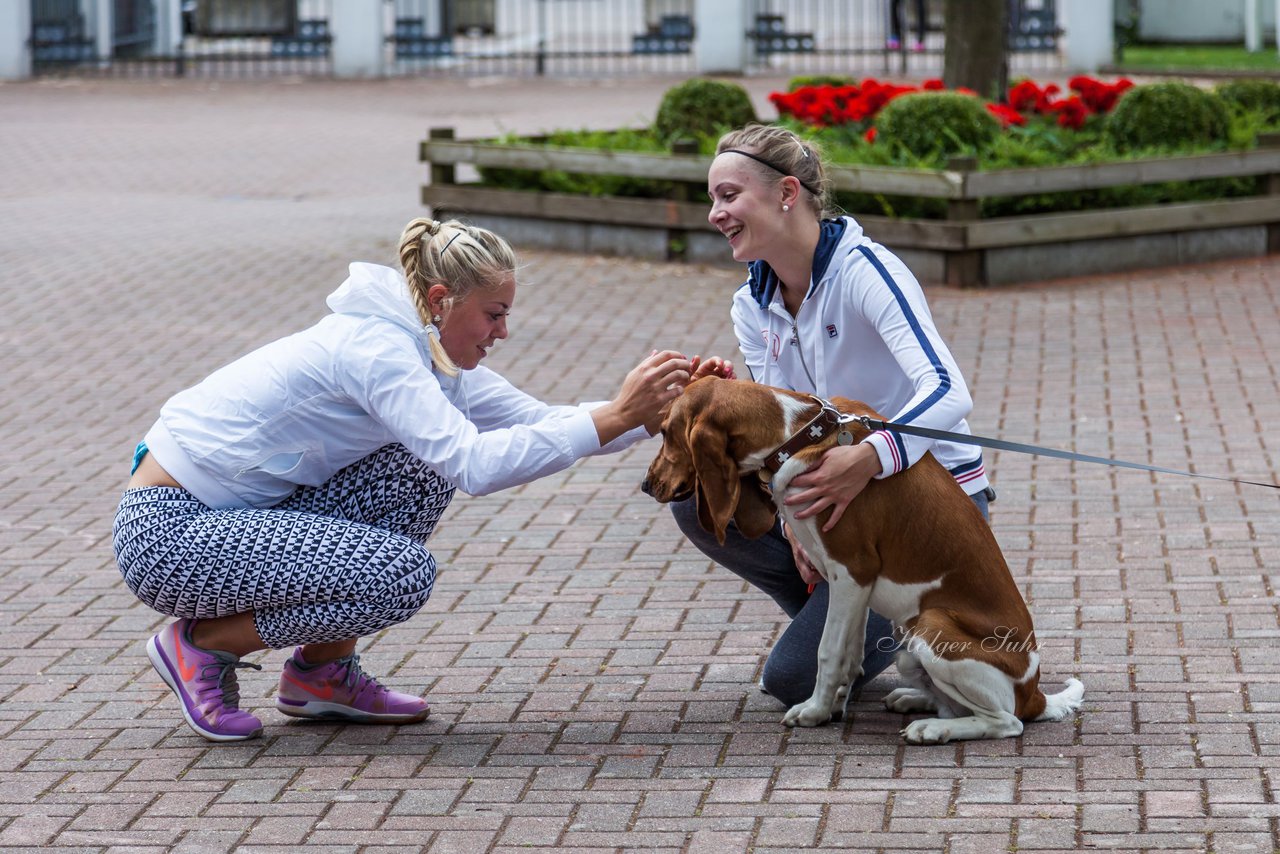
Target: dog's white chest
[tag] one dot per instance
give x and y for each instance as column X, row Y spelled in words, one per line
column 899, row 602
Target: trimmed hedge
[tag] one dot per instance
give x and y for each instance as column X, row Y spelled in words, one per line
column 1258, row 96
column 937, row 123
column 1161, row 114
column 699, row 108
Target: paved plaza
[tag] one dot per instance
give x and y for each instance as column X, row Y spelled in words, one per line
column 592, row 676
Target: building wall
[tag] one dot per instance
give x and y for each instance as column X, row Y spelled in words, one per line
column 1199, row 20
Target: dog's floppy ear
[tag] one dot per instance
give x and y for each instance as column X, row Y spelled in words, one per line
column 756, row 513
column 717, row 478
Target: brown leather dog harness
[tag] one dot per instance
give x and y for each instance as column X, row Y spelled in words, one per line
column 826, row 422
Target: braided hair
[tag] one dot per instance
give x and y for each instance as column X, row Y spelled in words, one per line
column 463, row 258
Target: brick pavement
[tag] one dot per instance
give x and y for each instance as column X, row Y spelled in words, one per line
column 592, row 676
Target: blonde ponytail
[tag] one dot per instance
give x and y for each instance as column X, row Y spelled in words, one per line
column 463, row 258
column 439, row 357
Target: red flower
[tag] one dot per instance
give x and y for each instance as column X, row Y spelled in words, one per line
column 1098, row 96
column 1006, row 114
column 1024, row 95
column 1072, row 112
column 783, row 101
column 825, row 106
column 878, row 94
column 1118, row 88
column 822, row 106
column 1044, row 101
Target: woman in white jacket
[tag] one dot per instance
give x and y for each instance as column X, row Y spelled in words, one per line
column 826, row 311
column 286, row 500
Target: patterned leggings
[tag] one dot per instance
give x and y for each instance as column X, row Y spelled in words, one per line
column 331, row 562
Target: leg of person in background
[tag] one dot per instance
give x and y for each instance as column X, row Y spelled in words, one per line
column 894, row 42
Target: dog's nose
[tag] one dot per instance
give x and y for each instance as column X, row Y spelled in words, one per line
column 644, row 486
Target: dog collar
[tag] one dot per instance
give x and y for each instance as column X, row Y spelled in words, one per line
column 827, row 422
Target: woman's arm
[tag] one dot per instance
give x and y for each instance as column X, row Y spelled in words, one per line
column 891, row 299
column 386, row 377
column 647, row 388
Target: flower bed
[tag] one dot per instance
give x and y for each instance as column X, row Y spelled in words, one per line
column 1049, row 195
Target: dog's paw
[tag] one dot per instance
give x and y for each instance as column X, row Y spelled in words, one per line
column 927, row 731
column 807, row 714
column 909, row 700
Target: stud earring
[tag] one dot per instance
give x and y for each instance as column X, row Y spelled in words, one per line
column 435, row 318
column 786, row 208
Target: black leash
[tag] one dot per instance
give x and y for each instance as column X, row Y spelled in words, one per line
column 1001, row 445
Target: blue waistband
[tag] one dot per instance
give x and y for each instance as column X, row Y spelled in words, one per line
column 138, row 453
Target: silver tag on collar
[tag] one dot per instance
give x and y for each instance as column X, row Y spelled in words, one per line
column 844, row 438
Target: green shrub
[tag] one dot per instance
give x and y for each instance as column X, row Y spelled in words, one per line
column 937, row 123
column 1167, row 114
column 819, row 80
column 1257, row 96
column 698, row 108
column 559, row 181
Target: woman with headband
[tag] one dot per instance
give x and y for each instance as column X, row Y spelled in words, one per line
column 827, row 311
column 286, row 500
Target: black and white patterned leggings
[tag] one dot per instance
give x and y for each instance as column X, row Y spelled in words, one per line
column 331, row 562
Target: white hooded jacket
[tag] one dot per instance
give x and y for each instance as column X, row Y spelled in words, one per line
column 863, row 331
column 297, row 410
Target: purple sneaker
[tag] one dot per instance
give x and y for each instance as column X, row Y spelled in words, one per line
column 205, row 682
column 339, row 690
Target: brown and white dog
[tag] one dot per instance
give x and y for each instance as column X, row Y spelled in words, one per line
column 912, row 546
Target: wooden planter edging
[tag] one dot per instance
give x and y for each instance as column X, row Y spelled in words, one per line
column 962, row 249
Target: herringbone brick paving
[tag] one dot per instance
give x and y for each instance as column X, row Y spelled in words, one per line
column 592, row 676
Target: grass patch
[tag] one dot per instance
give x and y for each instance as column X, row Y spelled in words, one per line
column 1178, row 57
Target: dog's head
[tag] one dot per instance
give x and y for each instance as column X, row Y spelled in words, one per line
column 709, row 429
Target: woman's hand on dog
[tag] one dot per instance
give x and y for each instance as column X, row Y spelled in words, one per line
column 697, row 368
column 645, row 393
column 712, row 366
column 834, row 482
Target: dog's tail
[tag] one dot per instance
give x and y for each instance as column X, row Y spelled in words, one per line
column 1058, row 706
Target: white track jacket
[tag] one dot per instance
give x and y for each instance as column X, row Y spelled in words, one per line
column 864, row 331
column 299, row 409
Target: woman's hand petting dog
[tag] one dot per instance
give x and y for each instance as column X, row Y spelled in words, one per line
column 834, row 482
column 712, row 366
